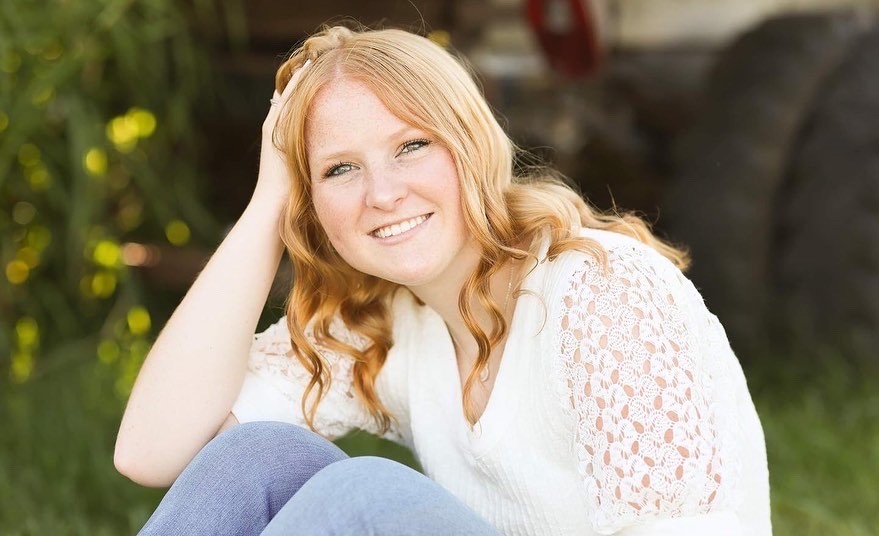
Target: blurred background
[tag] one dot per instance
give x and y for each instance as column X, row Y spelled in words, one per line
column 745, row 129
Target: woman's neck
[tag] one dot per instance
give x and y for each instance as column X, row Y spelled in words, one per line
column 442, row 296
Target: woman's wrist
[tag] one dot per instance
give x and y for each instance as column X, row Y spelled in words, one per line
column 262, row 215
column 266, row 204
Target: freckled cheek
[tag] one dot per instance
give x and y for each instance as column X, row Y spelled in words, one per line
column 324, row 217
column 332, row 218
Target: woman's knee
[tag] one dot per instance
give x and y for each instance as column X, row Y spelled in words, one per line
column 371, row 471
column 241, row 479
column 342, row 485
column 273, row 457
column 277, row 443
column 375, row 495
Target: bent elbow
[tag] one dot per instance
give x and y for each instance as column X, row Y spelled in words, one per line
column 136, row 467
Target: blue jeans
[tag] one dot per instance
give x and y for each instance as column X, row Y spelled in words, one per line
column 278, row 479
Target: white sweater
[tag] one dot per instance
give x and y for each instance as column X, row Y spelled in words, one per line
column 619, row 407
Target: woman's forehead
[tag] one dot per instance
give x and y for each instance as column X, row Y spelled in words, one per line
column 347, row 110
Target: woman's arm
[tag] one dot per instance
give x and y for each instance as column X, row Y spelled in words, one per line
column 195, row 369
column 653, row 452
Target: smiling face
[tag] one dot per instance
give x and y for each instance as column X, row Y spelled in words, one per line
column 386, row 193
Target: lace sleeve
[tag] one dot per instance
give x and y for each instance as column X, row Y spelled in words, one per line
column 276, row 381
column 647, row 442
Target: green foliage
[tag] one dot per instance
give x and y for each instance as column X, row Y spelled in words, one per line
column 56, row 456
column 97, row 145
column 822, row 436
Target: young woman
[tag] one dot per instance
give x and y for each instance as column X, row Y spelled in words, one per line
column 550, row 366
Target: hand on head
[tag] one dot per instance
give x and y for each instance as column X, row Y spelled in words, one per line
column 273, row 183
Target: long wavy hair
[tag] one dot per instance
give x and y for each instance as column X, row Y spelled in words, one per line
column 425, row 86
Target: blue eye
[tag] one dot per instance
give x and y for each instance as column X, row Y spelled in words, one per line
column 413, row 145
column 338, row 169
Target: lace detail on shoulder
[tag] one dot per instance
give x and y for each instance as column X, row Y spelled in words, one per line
column 648, row 444
column 272, row 357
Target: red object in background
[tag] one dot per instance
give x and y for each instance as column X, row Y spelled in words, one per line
column 567, row 33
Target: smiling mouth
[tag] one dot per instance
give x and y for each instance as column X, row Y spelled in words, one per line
column 399, row 228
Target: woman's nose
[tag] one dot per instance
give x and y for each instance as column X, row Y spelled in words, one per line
column 385, row 189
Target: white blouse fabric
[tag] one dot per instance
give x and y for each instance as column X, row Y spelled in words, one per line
column 619, row 407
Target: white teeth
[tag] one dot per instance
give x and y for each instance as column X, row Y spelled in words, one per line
column 399, row 228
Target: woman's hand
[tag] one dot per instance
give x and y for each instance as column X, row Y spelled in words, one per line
column 273, row 182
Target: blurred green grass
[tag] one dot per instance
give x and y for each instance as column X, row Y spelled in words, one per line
column 822, row 436
column 57, row 475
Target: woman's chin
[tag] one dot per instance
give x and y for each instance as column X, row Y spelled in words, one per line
column 408, row 279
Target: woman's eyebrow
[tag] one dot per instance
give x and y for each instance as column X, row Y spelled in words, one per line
column 397, row 134
column 332, row 156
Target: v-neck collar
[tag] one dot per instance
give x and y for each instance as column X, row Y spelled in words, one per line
column 441, row 369
column 498, row 404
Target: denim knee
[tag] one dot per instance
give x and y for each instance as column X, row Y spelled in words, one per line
column 276, row 446
column 241, row 479
column 371, row 471
column 371, row 495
